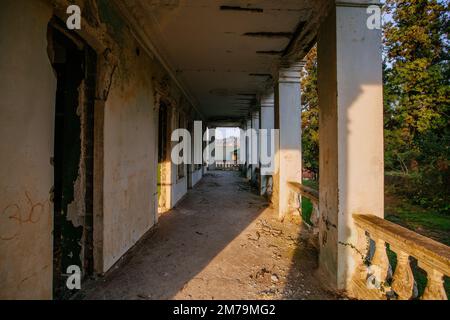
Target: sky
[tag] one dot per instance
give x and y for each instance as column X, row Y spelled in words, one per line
column 229, row 132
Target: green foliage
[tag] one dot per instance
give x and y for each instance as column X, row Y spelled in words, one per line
column 417, row 98
column 307, row 206
column 310, row 113
column 416, row 101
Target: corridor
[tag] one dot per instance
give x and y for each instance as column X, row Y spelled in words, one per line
column 222, row 241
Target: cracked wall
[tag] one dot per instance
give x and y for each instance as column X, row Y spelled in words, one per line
column 28, row 87
column 126, row 118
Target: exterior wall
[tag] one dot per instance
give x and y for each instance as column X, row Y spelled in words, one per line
column 196, row 177
column 126, row 156
column 27, row 86
column 179, row 190
column 179, row 186
column 130, row 141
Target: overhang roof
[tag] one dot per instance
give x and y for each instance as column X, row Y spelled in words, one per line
column 222, row 52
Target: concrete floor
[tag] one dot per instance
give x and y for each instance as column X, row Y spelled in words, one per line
column 221, row 242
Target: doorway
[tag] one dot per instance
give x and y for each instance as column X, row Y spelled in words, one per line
column 163, row 149
column 74, row 64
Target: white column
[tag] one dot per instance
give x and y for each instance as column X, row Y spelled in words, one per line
column 212, row 155
column 254, row 146
column 266, row 122
column 249, row 150
column 351, row 134
column 288, row 158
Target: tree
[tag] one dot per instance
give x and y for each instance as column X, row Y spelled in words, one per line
column 417, row 94
column 310, row 113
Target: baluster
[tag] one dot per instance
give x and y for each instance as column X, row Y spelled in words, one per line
column 362, row 246
column 403, row 281
column 315, row 216
column 435, row 283
column 380, row 261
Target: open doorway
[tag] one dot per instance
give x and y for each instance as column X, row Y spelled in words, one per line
column 163, row 149
column 227, row 146
column 74, row 64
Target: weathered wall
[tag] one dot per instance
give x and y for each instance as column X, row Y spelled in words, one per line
column 179, row 190
column 196, row 176
column 130, row 144
column 129, row 122
column 27, row 86
column 130, row 160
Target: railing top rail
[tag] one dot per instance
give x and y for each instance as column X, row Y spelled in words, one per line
column 305, row 191
column 424, row 249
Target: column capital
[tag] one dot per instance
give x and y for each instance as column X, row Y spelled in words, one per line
column 290, row 72
column 267, row 100
column 255, row 114
column 357, row 3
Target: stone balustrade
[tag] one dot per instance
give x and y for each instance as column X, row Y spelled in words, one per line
column 313, row 196
column 227, row 165
column 373, row 278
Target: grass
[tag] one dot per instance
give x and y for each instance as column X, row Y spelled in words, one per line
column 428, row 223
column 307, row 206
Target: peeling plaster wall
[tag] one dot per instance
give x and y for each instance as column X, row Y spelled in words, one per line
column 28, row 87
column 130, row 144
column 27, row 114
column 130, row 141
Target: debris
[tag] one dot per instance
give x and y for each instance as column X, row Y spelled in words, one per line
column 268, row 229
column 274, row 278
column 258, row 235
column 261, row 273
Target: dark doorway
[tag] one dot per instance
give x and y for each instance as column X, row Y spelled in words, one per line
column 162, row 152
column 75, row 67
column 190, row 166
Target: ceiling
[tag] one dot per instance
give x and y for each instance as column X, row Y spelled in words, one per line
column 224, row 53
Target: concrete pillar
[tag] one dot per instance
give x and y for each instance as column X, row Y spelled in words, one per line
column 248, row 150
column 351, row 134
column 266, row 121
column 288, row 159
column 212, row 155
column 254, row 147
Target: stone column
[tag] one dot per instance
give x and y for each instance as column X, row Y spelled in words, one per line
column 288, row 158
column 212, row 155
column 254, row 146
column 351, row 134
column 248, row 149
column 267, row 122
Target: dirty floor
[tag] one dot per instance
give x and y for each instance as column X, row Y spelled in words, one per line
column 221, row 242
